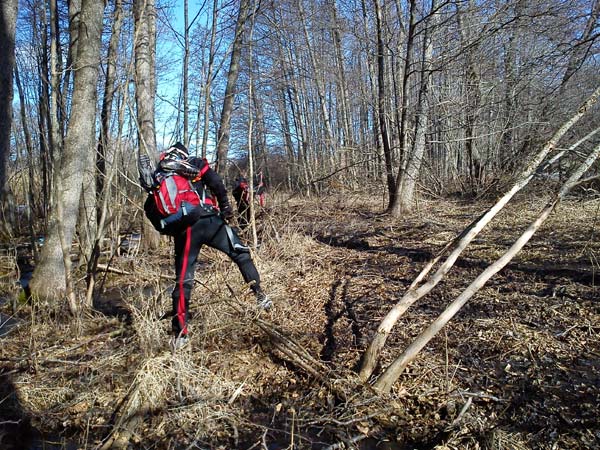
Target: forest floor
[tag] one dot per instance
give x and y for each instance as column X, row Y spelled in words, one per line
column 517, row 368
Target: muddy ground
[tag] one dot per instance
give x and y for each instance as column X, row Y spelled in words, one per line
column 517, row 368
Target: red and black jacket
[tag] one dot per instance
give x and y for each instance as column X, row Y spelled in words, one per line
column 209, row 186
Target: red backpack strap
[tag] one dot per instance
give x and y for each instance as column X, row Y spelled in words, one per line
column 202, row 171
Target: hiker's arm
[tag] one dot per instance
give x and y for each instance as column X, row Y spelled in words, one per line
column 214, row 182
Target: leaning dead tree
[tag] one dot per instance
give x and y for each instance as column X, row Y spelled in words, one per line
column 392, row 373
column 458, row 245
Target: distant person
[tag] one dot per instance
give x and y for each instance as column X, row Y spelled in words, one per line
column 201, row 216
column 241, row 193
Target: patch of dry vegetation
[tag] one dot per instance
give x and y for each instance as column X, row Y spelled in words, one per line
column 517, row 368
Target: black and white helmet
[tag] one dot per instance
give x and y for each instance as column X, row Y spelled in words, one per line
column 176, row 152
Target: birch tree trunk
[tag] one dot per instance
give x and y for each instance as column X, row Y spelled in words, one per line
column 50, row 277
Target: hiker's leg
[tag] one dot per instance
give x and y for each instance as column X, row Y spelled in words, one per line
column 187, row 248
column 220, row 240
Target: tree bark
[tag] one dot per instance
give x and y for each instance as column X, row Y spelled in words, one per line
column 381, row 105
column 40, row 38
column 406, row 184
column 395, row 207
column 209, row 79
column 109, row 94
column 8, row 20
column 49, row 277
column 87, row 222
column 145, row 91
column 29, row 147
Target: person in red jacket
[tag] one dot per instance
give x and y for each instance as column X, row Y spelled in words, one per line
column 207, row 225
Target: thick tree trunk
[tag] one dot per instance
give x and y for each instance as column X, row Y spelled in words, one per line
column 49, row 278
column 395, row 207
column 87, row 221
column 8, row 20
column 145, row 91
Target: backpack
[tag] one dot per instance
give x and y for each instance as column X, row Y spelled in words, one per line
column 176, row 203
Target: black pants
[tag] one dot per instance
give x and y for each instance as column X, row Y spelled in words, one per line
column 211, row 231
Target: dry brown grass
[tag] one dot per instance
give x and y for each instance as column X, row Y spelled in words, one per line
column 333, row 268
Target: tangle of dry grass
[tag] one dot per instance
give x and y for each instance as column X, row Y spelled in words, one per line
column 522, row 354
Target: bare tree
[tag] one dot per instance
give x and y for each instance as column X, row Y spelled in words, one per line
column 145, row 89
column 109, row 93
column 409, row 173
column 232, row 77
column 381, row 103
column 209, row 79
column 51, row 275
column 186, row 63
column 472, row 83
column 8, row 20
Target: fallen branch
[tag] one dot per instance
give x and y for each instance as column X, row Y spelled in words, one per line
column 107, row 268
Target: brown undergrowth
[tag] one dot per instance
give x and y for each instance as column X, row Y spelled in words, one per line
column 518, row 368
